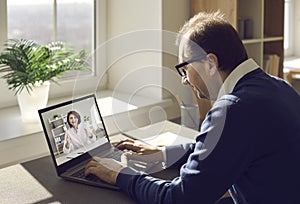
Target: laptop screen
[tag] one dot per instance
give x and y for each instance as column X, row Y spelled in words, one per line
column 73, row 128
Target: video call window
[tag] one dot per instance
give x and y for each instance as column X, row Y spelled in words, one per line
column 74, row 129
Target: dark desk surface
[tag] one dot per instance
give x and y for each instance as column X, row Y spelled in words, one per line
column 36, row 182
column 40, row 184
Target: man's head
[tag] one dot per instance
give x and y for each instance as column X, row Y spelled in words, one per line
column 212, row 47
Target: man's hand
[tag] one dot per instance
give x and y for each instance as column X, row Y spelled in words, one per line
column 104, row 168
column 140, row 151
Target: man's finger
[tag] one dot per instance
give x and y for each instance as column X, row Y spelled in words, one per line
column 123, row 141
column 90, row 170
column 92, row 163
column 129, row 146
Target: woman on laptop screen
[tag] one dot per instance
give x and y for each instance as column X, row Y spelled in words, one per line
column 79, row 135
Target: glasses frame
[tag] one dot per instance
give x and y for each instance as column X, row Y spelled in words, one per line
column 180, row 68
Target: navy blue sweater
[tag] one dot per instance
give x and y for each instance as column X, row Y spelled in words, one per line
column 249, row 143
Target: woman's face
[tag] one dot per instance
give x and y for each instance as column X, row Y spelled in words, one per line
column 73, row 120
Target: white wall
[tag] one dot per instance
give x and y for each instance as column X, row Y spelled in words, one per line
column 175, row 14
column 9, row 95
column 133, row 30
column 143, row 53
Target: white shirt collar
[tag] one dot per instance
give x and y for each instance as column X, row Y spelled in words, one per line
column 233, row 78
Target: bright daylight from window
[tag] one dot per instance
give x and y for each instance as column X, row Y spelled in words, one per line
column 71, row 21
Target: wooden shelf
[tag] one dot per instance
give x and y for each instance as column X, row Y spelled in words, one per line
column 272, row 39
column 251, row 41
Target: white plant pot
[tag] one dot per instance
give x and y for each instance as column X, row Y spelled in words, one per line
column 30, row 103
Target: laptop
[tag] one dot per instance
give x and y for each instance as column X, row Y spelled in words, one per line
column 90, row 139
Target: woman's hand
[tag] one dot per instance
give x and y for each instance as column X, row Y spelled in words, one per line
column 68, row 141
column 88, row 133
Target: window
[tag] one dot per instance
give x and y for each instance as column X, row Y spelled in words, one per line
column 52, row 20
column 81, row 23
column 288, row 27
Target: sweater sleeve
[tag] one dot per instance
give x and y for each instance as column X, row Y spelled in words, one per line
column 211, row 168
column 177, row 155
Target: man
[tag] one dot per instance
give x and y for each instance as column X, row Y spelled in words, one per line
column 249, row 142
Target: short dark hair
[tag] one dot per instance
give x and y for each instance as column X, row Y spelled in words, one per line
column 214, row 34
column 76, row 115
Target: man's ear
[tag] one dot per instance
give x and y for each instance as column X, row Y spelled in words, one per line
column 213, row 63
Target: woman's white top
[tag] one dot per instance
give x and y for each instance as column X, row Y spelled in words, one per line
column 78, row 138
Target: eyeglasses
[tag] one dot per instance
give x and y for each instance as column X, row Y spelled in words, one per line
column 181, row 68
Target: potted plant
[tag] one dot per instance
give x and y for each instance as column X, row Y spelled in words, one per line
column 28, row 67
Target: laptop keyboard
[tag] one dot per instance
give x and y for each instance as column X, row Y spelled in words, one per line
column 116, row 154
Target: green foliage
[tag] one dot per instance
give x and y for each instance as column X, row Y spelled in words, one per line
column 25, row 63
column 86, row 118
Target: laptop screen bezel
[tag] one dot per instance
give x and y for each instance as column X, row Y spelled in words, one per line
column 86, row 156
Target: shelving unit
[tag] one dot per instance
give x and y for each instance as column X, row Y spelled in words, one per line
column 58, row 130
column 266, row 19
